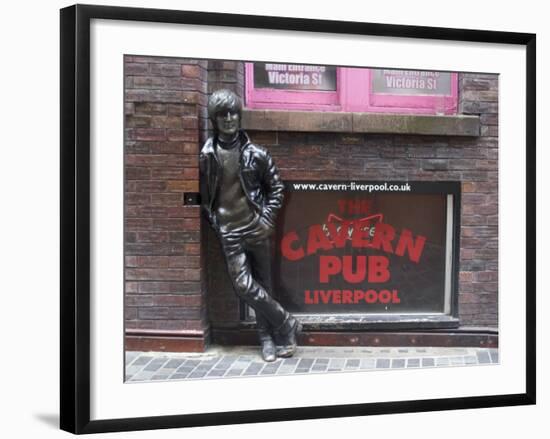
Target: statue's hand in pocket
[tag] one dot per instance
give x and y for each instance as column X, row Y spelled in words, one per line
column 263, row 229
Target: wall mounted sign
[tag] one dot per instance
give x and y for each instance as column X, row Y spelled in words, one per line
column 367, row 248
column 294, row 77
column 411, row 82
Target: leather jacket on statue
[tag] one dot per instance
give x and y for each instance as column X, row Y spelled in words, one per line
column 259, row 178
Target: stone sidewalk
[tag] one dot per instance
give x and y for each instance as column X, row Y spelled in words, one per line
column 223, row 362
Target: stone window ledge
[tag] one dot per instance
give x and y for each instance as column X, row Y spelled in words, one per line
column 375, row 123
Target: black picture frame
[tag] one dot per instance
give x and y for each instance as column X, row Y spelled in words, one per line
column 75, row 217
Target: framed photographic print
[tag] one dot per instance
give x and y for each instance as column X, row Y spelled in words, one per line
column 304, row 213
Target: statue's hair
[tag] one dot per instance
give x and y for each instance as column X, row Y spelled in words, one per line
column 223, row 100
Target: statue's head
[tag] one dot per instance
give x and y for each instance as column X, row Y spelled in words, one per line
column 224, row 110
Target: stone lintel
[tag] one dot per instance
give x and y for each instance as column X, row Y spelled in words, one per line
column 375, row 123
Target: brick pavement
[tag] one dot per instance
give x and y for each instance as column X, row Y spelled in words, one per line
column 225, row 362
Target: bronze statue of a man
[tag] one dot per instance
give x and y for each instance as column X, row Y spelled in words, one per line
column 241, row 193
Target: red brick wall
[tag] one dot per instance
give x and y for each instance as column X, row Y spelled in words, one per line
column 165, row 123
column 479, row 234
column 226, row 74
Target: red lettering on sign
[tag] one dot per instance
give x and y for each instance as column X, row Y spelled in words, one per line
column 371, row 296
column 378, row 269
column 414, row 247
column 358, row 295
column 384, row 296
column 354, row 207
column 317, row 240
column 337, row 236
column 360, row 269
column 347, row 296
column 325, row 295
column 394, row 297
column 383, row 236
column 328, row 265
column 287, row 250
column 308, row 300
column 350, row 297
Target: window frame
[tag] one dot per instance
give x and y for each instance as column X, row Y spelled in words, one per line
column 417, row 104
column 353, row 94
column 271, row 98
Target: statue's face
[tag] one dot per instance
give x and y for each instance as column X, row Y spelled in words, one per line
column 228, row 124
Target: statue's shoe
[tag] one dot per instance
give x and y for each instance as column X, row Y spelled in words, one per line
column 287, row 342
column 269, row 351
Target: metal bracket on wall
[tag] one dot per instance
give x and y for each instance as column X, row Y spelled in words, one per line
column 191, row 199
